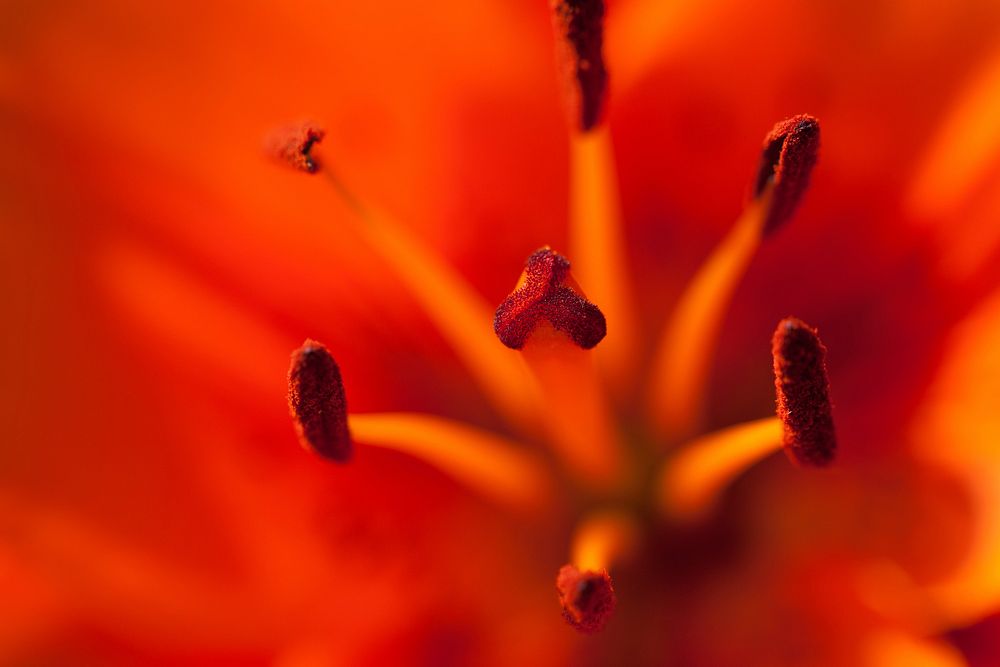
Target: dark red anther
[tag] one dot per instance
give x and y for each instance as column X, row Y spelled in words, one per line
column 587, row 598
column 803, row 393
column 580, row 32
column 317, row 402
column 789, row 155
column 545, row 296
column 293, row 145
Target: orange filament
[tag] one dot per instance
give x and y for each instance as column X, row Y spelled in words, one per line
column 499, row 468
column 894, row 648
column 644, row 34
column 577, row 411
column 603, row 540
column 598, row 247
column 461, row 315
column 691, row 482
column 965, row 148
column 682, row 362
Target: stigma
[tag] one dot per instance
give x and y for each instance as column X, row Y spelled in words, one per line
column 547, row 293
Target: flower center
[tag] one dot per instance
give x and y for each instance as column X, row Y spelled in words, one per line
column 566, row 357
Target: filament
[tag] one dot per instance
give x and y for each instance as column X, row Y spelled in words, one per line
column 683, row 358
column 499, row 468
column 603, row 540
column 692, row 480
column 598, row 247
column 461, row 315
column 965, row 147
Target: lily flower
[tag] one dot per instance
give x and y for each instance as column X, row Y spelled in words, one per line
column 737, row 409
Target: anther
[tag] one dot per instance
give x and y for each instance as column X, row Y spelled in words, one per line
column 545, row 293
column 579, row 26
column 293, row 145
column 587, row 598
column 317, row 403
column 803, row 393
column 790, row 152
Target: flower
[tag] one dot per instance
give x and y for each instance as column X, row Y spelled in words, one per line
column 154, row 507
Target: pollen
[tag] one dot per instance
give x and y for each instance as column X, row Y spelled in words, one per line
column 546, row 293
column 803, row 393
column 587, row 598
column 787, row 160
column 293, row 145
column 317, row 403
column 579, row 26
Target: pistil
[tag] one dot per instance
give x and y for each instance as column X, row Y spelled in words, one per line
column 554, row 326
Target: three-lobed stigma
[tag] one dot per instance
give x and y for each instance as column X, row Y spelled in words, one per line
column 545, row 294
column 317, row 402
column 803, row 393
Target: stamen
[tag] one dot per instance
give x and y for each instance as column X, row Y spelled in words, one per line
column 587, row 598
column 504, row 470
column 459, row 313
column 790, row 152
column 598, row 247
column 544, row 295
column 690, row 482
column 293, row 145
column 683, row 358
column 803, row 393
column 554, row 326
column 579, row 26
column 317, row 402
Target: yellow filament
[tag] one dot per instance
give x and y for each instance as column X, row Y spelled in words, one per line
column 893, row 648
column 499, row 468
column 692, row 480
column 964, row 148
column 683, row 358
column 577, row 411
column 597, row 247
column 603, row 539
column 969, row 243
column 462, row 316
column 643, row 33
